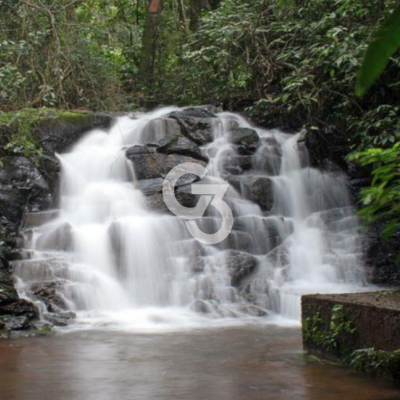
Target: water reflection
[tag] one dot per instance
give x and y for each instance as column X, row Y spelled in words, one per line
column 251, row 363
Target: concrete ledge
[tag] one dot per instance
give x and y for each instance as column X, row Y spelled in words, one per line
column 355, row 329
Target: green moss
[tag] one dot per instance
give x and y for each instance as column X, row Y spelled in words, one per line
column 17, row 128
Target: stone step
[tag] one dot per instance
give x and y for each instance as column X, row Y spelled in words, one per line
column 34, row 219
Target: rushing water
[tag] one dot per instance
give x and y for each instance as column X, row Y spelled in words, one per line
column 117, row 264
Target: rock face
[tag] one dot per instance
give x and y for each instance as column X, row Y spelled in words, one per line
column 27, row 187
column 196, row 124
column 246, row 139
column 240, row 266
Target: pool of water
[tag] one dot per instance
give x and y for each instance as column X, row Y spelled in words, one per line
column 225, row 363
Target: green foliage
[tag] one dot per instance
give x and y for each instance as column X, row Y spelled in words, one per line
column 385, row 43
column 329, row 336
column 381, row 200
column 377, row 362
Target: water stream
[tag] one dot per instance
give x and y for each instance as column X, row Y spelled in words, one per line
column 119, row 265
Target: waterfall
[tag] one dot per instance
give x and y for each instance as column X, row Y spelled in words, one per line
column 107, row 255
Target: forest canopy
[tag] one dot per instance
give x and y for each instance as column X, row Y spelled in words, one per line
column 286, row 63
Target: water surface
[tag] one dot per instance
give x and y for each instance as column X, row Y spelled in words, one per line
column 231, row 363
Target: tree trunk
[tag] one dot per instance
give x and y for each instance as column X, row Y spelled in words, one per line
column 149, row 43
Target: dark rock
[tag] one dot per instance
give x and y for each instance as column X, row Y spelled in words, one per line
column 258, row 189
column 240, row 265
column 254, row 311
column 244, row 136
column 237, row 240
column 58, row 319
column 57, row 135
column 196, row 124
column 51, row 298
column 200, row 306
column 381, row 256
column 8, row 294
column 15, row 323
column 149, row 164
column 35, row 219
column 20, row 308
column 22, row 189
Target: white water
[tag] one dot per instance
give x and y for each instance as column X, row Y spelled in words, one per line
column 117, row 264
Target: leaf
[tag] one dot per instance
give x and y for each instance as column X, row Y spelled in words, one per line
column 390, row 229
column 384, row 44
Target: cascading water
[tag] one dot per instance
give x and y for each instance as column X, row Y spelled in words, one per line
column 108, row 257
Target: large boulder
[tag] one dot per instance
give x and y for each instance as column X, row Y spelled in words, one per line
column 197, row 124
column 258, row 189
column 150, row 164
column 166, row 133
column 240, row 265
column 246, row 140
column 22, row 189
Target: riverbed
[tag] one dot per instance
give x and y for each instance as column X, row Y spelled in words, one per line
column 226, row 363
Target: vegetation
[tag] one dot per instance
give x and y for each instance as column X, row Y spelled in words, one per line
column 329, row 336
column 377, row 362
column 292, row 63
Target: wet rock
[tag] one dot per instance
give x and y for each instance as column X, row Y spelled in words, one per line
column 59, row 319
column 181, row 145
column 8, row 294
column 51, row 298
column 200, row 306
column 149, row 164
column 12, row 323
column 20, row 307
column 246, row 139
column 22, row 189
column 240, row 265
column 57, row 134
column 196, row 124
column 156, row 202
column 252, row 310
column 196, row 264
column 58, row 238
column 35, row 219
column 237, row 240
column 258, row 189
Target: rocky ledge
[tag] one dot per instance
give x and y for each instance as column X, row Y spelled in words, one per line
column 358, row 329
column 29, row 172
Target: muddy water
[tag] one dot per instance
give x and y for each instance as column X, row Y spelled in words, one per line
column 249, row 363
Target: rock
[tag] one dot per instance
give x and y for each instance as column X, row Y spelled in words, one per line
column 59, row 237
column 181, row 145
column 56, row 134
column 246, row 140
column 237, row 240
column 258, row 189
column 156, row 202
column 19, row 308
column 35, row 219
column 15, row 323
column 59, row 319
column 200, row 306
column 197, row 124
column 268, row 157
column 149, row 164
column 8, row 294
column 51, row 298
column 196, row 264
column 22, row 189
column 252, row 310
column 240, row 265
